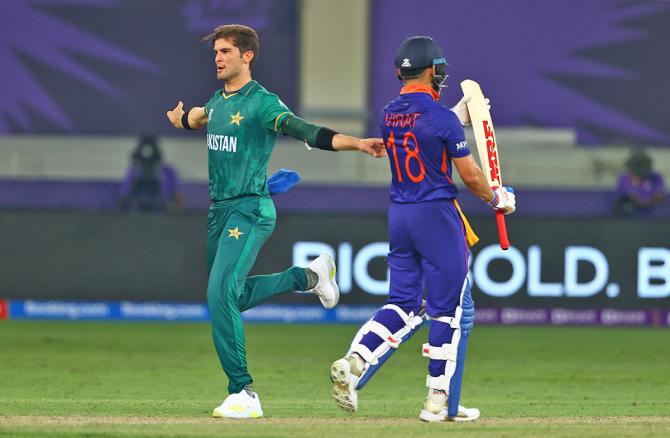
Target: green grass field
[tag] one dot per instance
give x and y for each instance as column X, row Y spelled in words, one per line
column 155, row 379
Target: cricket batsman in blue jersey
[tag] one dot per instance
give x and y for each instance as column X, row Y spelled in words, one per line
column 429, row 238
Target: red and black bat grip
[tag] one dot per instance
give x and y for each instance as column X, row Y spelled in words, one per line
column 502, row 230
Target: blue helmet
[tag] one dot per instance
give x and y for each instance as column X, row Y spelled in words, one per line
column 417, row 53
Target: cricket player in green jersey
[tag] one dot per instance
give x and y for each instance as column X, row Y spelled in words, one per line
column 243, row 120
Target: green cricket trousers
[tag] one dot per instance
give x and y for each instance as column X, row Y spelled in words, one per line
column 236, row 231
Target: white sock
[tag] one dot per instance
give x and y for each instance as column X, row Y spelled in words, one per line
column 437, row 396
column 357, row 364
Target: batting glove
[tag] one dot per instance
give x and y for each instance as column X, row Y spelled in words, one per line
column 503, row 199
column 461, row 110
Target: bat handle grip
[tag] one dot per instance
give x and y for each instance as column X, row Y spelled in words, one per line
column 502, row 229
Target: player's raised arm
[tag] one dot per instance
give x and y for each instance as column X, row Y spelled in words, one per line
column 277, row 117
column 319, row 137
column 194, row 118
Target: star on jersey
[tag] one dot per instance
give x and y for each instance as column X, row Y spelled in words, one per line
column 235, row 232
column 236, row 118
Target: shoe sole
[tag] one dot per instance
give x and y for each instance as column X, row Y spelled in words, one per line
column 462, row 419
column 430, row 417
column 331, row 271
column 334, row 285
column 339, row 375
column 237, row 416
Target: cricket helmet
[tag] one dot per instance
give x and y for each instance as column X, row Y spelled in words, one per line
column 417, row 53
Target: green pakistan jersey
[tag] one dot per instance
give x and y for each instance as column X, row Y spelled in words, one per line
column 241, row 133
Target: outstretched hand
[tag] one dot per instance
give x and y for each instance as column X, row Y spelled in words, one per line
column 175, row 115
column 373, row 146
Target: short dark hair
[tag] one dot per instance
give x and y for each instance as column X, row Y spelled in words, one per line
column 241, row 36
column 410, row 74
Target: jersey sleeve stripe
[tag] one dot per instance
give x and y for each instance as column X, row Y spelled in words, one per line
column 279, row 117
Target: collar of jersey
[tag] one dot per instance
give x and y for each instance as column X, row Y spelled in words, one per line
column 420, row 88
column 244, row 91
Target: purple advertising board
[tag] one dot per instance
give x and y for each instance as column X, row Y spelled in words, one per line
column 598, row 66
column 116, row 66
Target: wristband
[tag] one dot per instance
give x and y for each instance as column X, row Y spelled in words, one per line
column 324, row 139
column 493, row 202
column 184, row 121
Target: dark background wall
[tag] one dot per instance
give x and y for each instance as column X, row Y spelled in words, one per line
column 91, row 256
column 618, row 263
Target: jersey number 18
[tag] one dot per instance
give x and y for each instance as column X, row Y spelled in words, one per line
column 411, row 154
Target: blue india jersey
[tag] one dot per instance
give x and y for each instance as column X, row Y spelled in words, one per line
column 421, row 136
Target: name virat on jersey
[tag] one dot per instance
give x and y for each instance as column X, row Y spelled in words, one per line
column 223, row 143
column 399, row 120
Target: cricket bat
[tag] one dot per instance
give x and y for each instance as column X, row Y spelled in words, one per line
column 487, row 146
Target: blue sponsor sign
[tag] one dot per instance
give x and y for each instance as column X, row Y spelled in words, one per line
column 308, row 314
column 108, row 311
column 60, row 310
column 192, row 312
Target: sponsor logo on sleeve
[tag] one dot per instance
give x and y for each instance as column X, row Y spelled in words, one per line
column 462, row 146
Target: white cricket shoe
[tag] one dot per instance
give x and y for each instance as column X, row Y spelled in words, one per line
column 465, row 414
column 326, row 289
column 344, row 384
column 435, row 409
column 244, row 404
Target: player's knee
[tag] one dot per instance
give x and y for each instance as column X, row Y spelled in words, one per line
column 390, row 318
column 222, row 293
column 468, row 308
column 408, row 306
